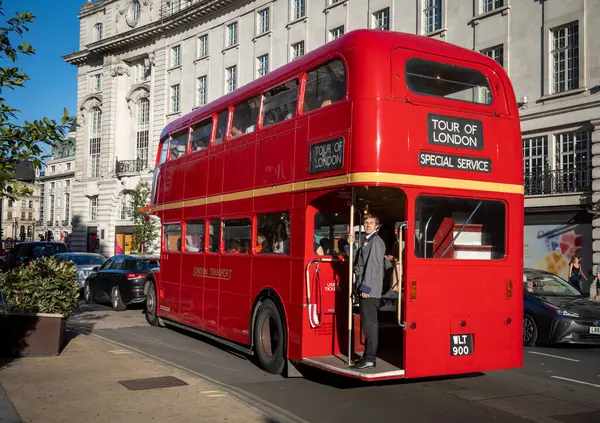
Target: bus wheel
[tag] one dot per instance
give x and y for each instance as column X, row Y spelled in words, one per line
column 151, row 315
column 530, row 331
column 269, row 337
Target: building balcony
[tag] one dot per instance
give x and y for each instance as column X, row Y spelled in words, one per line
column 130, row 166
column 555, row 182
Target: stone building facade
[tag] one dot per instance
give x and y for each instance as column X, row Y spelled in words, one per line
column 142, row 63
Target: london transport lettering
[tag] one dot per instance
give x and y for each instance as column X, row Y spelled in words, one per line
column 448, row 161
column 328, row 155
column 455, row 132
column 211, row 272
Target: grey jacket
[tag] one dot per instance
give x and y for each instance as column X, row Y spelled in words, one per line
column 370, row 266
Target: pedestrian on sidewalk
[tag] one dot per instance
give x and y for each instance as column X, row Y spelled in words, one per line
column 597, row 280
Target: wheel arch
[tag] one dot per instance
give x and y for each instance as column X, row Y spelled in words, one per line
column 272, row 294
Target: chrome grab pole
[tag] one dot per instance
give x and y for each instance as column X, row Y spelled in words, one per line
column 350, row 278
column 401, row 229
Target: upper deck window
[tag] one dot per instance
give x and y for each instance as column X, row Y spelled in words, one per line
column 245, row 116
column 280, row 103
column 448, row 81
column 201, row 132
column 179, row 144
column 325, row 85
column 222, row 126
column 164, row 148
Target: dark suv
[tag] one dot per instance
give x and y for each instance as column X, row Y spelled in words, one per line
column 26, row 252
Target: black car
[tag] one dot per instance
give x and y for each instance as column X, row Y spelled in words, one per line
column 120, row 280
column 555, row 312
column 25, row 252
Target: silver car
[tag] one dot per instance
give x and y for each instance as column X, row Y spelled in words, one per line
column 84, row 262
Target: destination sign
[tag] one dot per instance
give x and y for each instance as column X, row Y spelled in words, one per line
column 447, row 161
column 455, row 132
column 328, row 155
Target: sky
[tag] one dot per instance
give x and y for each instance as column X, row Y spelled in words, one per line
column 53, row 83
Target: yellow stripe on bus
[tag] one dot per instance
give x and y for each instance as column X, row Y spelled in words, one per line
column 352, row 178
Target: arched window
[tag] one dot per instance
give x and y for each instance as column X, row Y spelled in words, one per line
column 95, row 131
column 143, row 132
column 135, row 10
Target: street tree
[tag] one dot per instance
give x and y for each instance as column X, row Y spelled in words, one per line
column 21, row 142
column 145, row 227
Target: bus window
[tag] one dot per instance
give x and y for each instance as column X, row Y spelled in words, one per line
column 172, row 237
column 273, row 233
column 236, row 235
column 200, row 137
column 214, row 233
column 325, row 85
column 164, row 148
column 179, row 144
column 245, row 117
column 221, row 126
column 279, row 103
column 481, row 223
column 331, row 233
column 448, row 81
column 194, row 236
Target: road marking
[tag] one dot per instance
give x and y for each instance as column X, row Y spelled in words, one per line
column 216, row 396
column 118, row 352
column 576, row 381
column 554, row 356
column 211, row 392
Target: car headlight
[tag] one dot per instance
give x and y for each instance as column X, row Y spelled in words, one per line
column 560, row 311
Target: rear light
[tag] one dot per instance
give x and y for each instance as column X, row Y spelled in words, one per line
column 413, row 290
column 509, row 290
column 133, row 275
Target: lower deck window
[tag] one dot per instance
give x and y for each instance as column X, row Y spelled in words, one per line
column 460, row 228
column 236, row 235
column 172, row 237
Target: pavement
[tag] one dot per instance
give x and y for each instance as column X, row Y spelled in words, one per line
column 93, row 380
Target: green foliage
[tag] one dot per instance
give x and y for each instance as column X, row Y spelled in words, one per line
column 44, row 286
column 18, row 142
column 145, row 227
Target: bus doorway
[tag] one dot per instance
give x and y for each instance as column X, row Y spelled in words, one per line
column 331, row 263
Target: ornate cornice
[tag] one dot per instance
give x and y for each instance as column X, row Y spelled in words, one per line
column 190, row 14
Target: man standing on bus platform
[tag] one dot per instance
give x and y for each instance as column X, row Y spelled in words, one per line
column 369, row 271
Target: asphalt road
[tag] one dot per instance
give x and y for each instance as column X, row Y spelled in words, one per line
column 554, row 385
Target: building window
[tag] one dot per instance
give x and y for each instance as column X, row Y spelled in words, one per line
column 52, row 205
column 30, row 216
column 175, row 6
column 203, row 46
column 143, row 131
column 95, row 128
column 264, row 24
column 573, row 159
column 433, row 15
column 175, row 56
column 299, row 9
column 336, row 33
column 565, row 58
column 30, row 204
column 52, row 169
column 22, row 215
column 97, row 81
column 381, row 19
column 125, row 201
column 232, row 34
column 9, row 215
column 535, row 164
column 67, row 207
column 93, row 208
column 135, row 10
column 496, row 53
column 297, row 50
column 231, row 81
column 202, row 90
column 489, row 5
column 98, row 31
column 68, row 165
column 175, row 99
column 263, row 64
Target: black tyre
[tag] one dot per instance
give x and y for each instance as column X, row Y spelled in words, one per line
column 269, row 338
column 87, row 293
column 151, row 312
column 530, row 331
column 115, row 299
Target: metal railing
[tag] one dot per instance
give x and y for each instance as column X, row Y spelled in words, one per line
column 561, row 181
column 129, row 166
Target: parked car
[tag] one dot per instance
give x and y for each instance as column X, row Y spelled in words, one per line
column 25, row 252
column 555, row 312
column 119, row 280
column 84, row 262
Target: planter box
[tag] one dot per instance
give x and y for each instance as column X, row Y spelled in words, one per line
column 31, row 334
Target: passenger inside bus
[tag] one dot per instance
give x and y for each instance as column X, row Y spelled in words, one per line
column 325, row 85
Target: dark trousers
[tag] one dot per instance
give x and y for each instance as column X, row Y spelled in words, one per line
column 368, row 319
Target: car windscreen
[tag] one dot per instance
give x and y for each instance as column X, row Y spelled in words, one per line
column 549, row 285
column 46, row 250
column 83, row 259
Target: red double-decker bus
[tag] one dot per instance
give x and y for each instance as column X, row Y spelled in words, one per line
column 258, row 192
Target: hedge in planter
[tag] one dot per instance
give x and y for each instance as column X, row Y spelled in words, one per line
column 38, row 299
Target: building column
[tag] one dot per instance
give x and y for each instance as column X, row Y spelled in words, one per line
column 595, row 141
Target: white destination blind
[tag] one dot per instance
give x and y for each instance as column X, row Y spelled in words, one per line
column 447, row 161
column 455, row 132
column 328, row 155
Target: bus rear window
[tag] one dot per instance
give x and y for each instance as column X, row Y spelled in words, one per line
column 448, row 81
column 460, row 228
